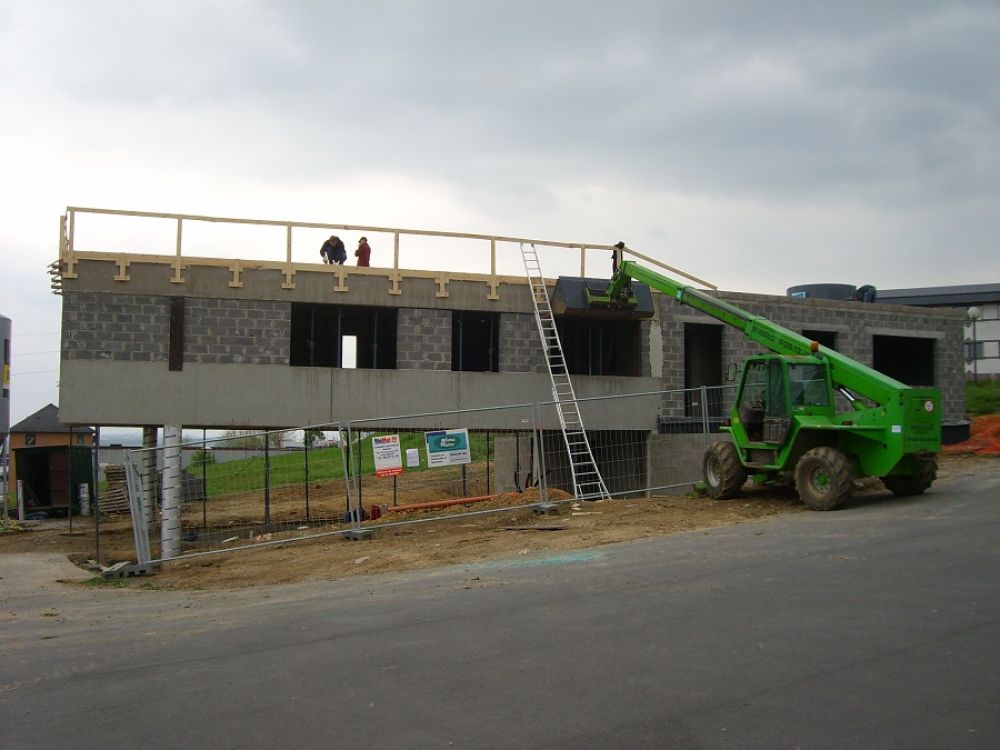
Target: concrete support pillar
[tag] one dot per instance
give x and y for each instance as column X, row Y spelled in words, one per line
column 148, row 469
column 170, row 516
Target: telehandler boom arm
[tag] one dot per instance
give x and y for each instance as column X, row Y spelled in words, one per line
column 844, row 371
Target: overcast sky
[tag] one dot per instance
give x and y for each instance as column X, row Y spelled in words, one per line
column 754, row 144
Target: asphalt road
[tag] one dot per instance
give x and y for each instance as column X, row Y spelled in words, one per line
column 876, row 626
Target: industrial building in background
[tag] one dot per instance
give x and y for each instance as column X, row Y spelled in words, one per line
column 980, row 306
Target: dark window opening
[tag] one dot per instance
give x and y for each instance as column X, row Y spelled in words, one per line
column 323, row 335
column 823, row 338
column 600, row 347
column 475, row 341
column 175, row 357
column 702, row 366
column 909, row 360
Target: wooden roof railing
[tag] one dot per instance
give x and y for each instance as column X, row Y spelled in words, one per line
column 68, row 250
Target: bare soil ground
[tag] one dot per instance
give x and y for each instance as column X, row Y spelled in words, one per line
column 463, row 540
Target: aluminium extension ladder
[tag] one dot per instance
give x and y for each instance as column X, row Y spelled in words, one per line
column 588, row 484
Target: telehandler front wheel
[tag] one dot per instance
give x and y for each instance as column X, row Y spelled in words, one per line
column 724, row 474
column 823, row 478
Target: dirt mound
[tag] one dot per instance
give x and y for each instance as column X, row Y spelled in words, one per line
column 984, row 438
column 472, row 539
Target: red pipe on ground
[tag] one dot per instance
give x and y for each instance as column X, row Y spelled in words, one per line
column 439, row 503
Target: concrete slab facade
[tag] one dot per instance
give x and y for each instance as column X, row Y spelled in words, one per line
column 236, row 349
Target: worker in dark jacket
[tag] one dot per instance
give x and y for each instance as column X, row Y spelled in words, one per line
column 333, row 250
column 865, row 293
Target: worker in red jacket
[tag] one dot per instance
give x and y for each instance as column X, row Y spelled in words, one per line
column 364, row 252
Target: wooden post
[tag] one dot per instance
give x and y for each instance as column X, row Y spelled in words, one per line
column 177, row 278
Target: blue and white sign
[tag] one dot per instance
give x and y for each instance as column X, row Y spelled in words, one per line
column 447, row 447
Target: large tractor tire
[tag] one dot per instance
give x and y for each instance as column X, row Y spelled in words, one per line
column 723, row 472
column 824, row 479
column 915, row 483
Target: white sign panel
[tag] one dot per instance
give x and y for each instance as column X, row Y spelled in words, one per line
column 388, row 459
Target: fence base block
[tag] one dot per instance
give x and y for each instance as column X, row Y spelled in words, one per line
column 127, row 569
column 547, row 509
column 355, row 534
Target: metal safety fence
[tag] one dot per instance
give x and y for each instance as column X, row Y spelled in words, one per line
column 351, row 478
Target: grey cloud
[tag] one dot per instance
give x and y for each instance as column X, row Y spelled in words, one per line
column 784, row 99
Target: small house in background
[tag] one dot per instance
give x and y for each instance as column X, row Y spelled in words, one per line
column 49, row 458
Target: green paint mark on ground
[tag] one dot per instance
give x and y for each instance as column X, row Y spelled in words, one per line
column 537, row 562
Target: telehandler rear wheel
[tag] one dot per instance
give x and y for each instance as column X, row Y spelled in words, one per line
column 823, row 478
column 915, row 483
column 723, row 472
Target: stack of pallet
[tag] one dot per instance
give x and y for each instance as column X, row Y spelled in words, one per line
column 115, row 498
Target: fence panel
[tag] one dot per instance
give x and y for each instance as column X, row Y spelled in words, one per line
column 244, row 490
column 450, row 464
column 640, row 442
column 346, row 478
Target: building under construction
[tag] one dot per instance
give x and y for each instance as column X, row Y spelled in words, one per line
column 158, row 338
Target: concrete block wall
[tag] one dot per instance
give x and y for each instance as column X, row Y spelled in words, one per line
column 677, row 459
column 118, row 327
column 644, row 354
column 520, row 349
column 423, row 339
column 136, row 328
column 228, row 331
column 117, row 331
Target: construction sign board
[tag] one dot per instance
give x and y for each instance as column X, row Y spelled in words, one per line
column 447, row 447
column 388, row 459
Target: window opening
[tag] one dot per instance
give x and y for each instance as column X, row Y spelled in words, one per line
column 320, row 336
column 475, row 341
column 702, row 366
column 908, row 359
column 595, row 346
column 349, row 352
column 175, row 356
column 823, row 338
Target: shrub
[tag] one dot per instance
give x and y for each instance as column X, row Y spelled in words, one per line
column 982, row 397
column 202, row 456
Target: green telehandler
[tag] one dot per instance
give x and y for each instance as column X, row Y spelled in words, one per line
column 785, row 421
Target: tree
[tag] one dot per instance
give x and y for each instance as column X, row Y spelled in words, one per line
column 253, row 440
column 202, row 456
